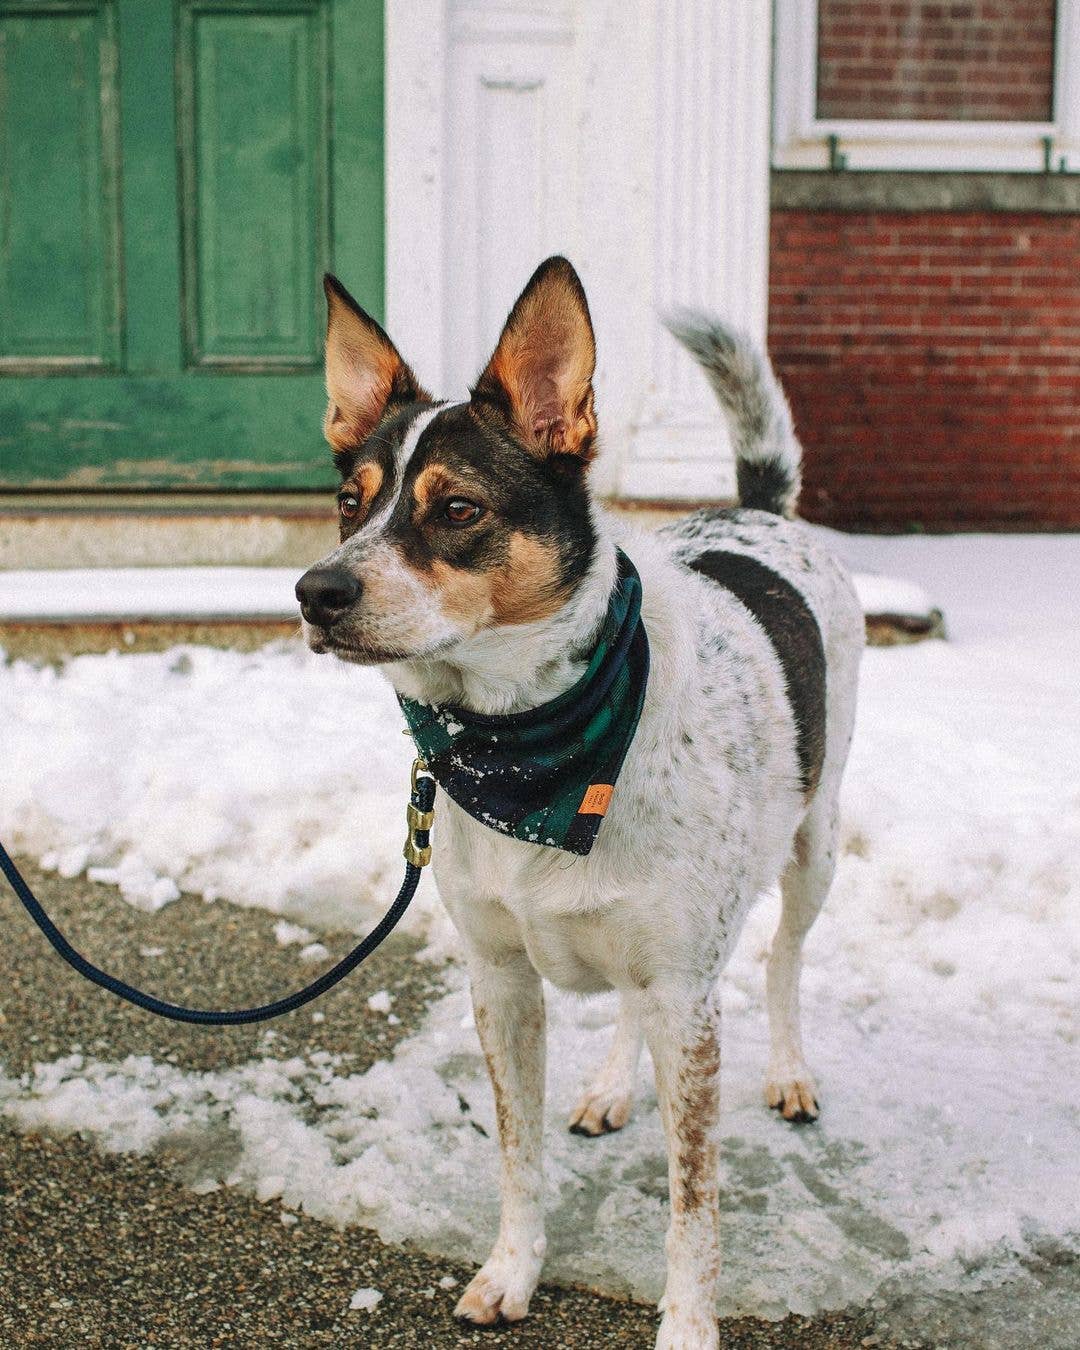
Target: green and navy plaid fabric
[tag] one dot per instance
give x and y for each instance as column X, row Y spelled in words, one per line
column 546, row 775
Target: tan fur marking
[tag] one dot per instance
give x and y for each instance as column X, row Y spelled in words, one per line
column 505, row 1120
column 365, row 483
column 696, row 1117
column 434, row 481
column 527, row 588
column 369, row 479
column 524, row 589
column 465, row 596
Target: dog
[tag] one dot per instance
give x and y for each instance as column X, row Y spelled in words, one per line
column 476, row 569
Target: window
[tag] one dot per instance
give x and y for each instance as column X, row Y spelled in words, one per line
column 927, row 84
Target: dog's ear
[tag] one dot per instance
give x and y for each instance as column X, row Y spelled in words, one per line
column 364, row 371
column 540, row 375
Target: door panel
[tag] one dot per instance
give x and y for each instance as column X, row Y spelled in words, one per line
column 253, row 133
column 59, row 279
column 168, row 330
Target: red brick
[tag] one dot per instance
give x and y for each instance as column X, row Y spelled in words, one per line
column 933, row 365
column 908, row 59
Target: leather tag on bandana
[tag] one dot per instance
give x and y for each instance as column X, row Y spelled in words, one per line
column 596, row 799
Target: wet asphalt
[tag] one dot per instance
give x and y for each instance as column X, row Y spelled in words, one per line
column 116, row 1251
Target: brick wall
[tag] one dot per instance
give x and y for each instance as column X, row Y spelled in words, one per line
column 933, row 364
column 990, row 59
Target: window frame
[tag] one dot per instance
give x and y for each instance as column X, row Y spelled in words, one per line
column 802, row 140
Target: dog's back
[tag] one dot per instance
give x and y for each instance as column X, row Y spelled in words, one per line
column 796, row 590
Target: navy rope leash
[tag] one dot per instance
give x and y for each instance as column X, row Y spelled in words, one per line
column 421, row 813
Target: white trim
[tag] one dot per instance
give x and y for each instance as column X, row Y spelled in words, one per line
column 415, row 106
column 801, row 138
column 707, row 157
column 1067, row 81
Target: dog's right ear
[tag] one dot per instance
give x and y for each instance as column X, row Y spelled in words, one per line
column 540, row 375
column 364, row 371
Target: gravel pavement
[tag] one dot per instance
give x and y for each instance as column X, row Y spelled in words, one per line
column 112, row 1251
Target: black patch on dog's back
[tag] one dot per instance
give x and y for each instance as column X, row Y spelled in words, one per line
column 796, row 639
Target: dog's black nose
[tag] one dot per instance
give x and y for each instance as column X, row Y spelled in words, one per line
column 325, row 593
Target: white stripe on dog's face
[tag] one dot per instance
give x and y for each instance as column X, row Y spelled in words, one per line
column 412, row 438
column 402, row 454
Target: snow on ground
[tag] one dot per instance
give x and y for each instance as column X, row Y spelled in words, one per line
column 276, row 778
column 889, row 595
column 942, row 991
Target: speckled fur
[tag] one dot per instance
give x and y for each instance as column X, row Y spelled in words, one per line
column 708, row 813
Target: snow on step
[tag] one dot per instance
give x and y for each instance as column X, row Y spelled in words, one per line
column 134, row 593
column 183, row 593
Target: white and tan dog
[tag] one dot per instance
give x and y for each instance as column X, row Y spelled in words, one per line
column 475, row 569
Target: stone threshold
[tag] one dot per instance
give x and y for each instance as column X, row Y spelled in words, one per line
column 916, row 190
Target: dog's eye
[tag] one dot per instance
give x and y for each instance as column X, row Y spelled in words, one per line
column 349, row 506
column 458, row 511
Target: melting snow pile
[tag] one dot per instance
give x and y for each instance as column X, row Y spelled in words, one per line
column 941, row 996
column 276, row 778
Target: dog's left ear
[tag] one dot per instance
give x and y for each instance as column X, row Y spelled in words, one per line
column 540, row 375
column 365, row 374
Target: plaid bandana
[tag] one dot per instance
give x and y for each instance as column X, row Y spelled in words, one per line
column 546, row 775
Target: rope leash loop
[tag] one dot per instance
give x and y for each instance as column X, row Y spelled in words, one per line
column 421, row 813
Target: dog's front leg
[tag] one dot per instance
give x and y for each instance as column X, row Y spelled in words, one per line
column 508, row 1001
column 682, row 1027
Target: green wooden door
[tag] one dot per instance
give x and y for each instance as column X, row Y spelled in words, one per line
column 174, row 178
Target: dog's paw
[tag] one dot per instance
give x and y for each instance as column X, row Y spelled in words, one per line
column 695, row 1332
column 794, row 1097
column 605, row 1107
column 503, row 1286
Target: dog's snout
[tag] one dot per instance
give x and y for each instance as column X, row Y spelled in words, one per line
column 325, row 593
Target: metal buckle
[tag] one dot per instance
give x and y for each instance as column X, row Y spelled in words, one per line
column 417, row 821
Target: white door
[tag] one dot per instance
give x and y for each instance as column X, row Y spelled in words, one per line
column 631, row 135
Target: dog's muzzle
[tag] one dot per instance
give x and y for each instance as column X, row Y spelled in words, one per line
column 326, row 593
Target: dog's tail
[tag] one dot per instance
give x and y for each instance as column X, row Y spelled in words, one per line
column 767, row 454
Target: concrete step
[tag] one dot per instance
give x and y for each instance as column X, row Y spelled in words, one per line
column 185, row 529
column 63, row 531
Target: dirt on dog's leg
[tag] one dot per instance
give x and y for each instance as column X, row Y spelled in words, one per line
column 607, row 1102
column 789, row 1086
column 682, row 1027
column 508, row 1001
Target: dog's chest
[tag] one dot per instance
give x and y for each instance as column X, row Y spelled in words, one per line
column 553, row 904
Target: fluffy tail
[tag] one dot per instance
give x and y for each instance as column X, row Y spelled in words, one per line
column 767, row 455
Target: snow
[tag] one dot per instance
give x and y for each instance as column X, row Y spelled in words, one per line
column 175, row 770
column 941, row 996
column 365, row 1300
column 380, row 1002
column 135, row 593
column 889, row 595
column 314, row 951
column 292, row 934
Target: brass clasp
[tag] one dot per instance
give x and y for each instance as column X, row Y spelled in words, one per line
column 417, row 820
